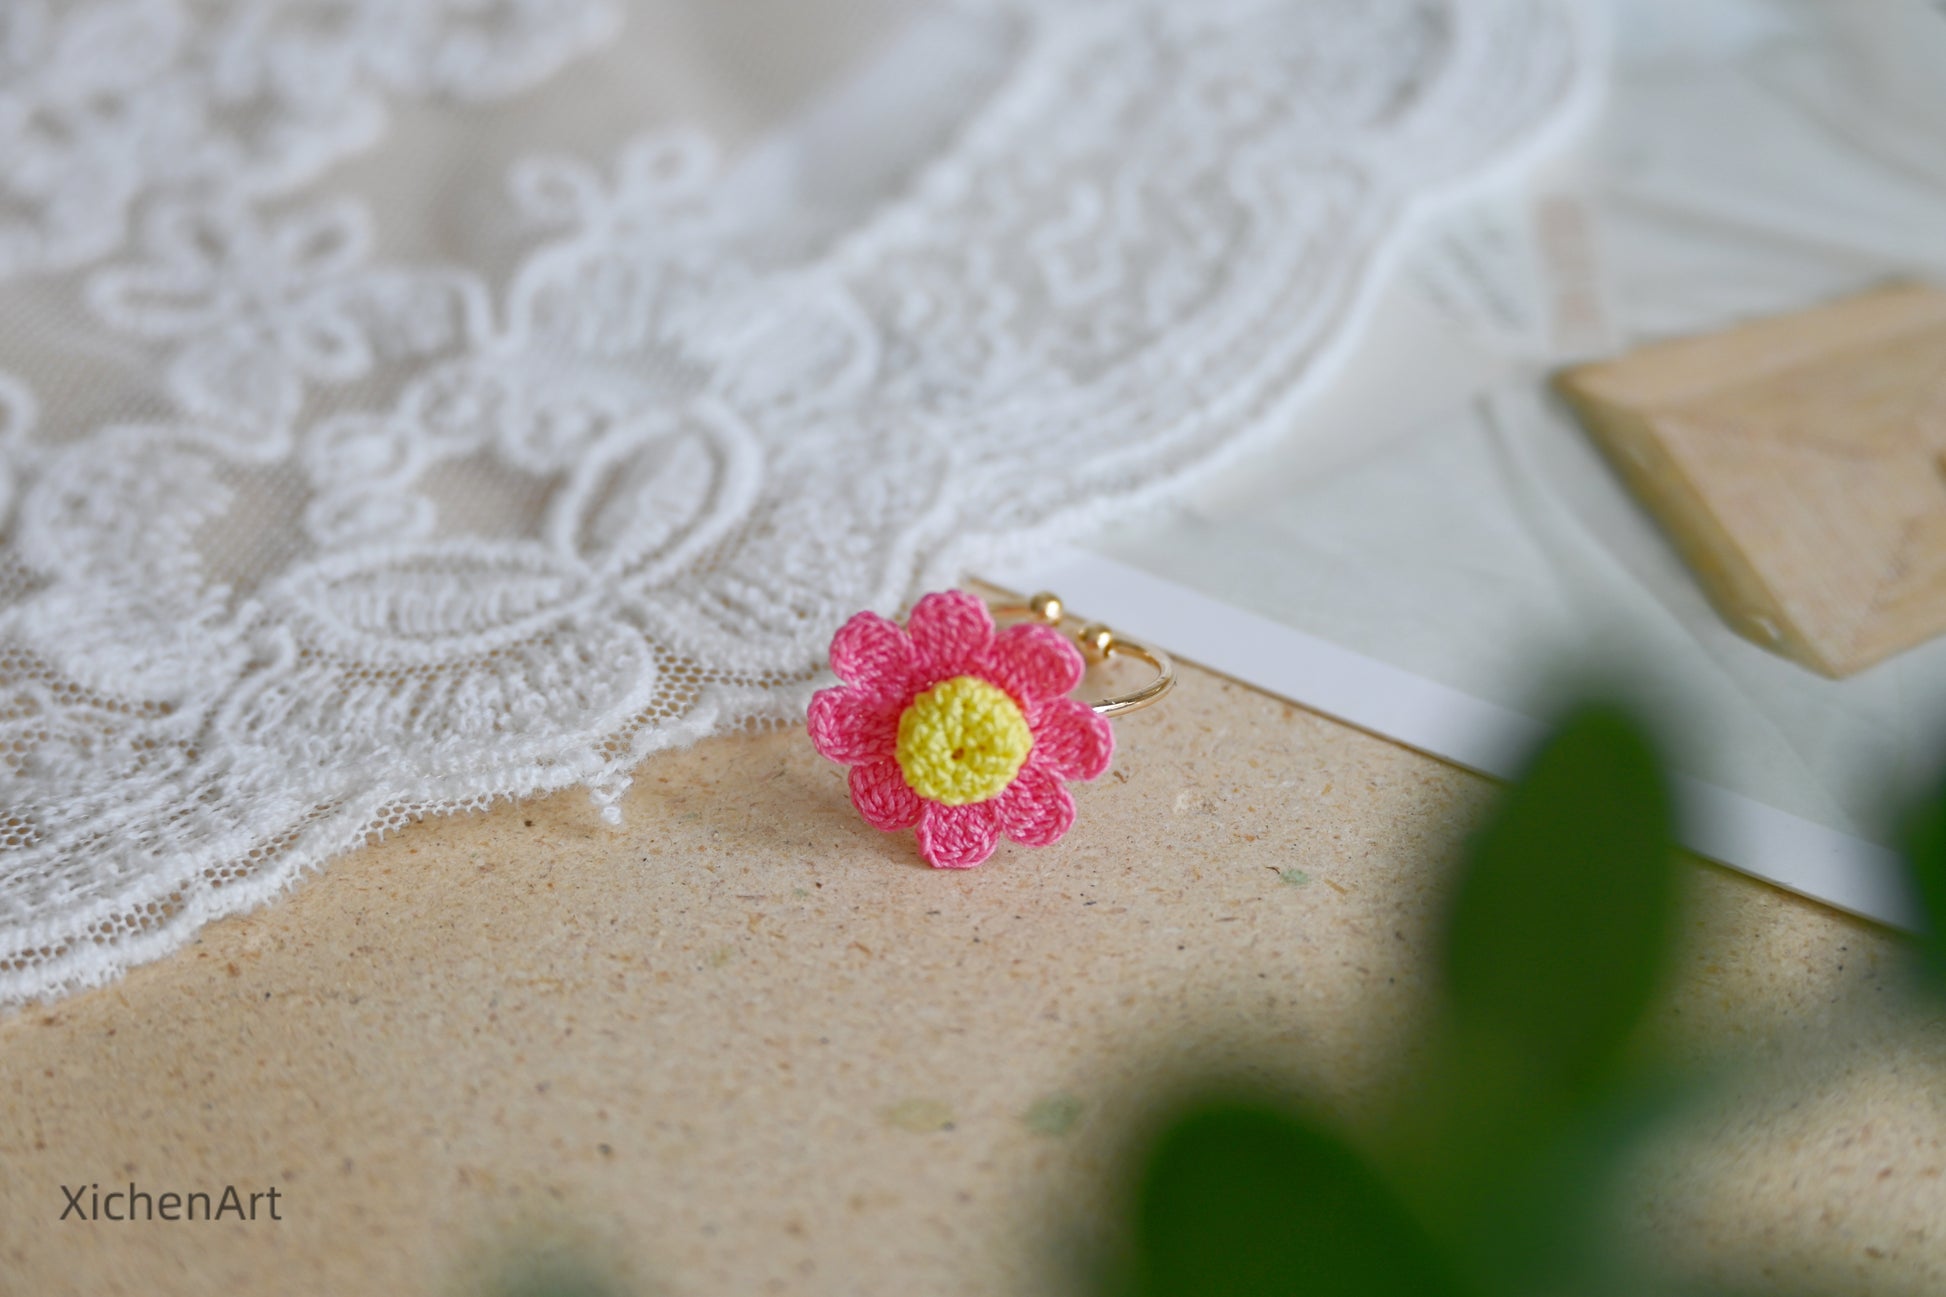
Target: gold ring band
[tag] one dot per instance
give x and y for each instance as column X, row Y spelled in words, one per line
column 1101, row 643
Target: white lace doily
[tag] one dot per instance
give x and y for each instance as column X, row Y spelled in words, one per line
column 308, row 534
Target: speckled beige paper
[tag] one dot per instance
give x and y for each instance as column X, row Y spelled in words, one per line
column 746, row 1044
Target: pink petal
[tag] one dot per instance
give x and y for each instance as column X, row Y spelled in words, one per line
column 1071, row 741
column 950, row 631
column 874, row 654
column 958, row 837
column 1033, row 662
column 1035, row 810
column 879, row 791
column 852, row 725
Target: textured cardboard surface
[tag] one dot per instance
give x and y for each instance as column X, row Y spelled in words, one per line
column 745, row 1044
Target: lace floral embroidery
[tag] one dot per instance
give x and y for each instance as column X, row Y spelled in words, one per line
column 106, row 102
column 412, row 538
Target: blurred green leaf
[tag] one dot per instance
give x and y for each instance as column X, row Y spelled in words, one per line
column 1561, row 928
column 1241, row 1200
column 1926, row 854
column 1545, row 1223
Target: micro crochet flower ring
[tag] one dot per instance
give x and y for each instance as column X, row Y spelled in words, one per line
column 963, row 731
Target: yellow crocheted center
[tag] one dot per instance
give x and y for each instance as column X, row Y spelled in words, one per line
column 962, row 741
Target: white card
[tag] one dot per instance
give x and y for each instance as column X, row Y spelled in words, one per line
column 1436, row 551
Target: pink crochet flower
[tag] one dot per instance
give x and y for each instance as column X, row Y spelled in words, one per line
column 966, row 733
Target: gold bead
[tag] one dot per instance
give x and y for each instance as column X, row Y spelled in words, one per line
column 1097, row 638
column 1047, row 607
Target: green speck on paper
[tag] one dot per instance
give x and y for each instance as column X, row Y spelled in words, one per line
column 1054, row 1115
column 799, row 893
column 1294, row 877
column 553, row 1277
column 721, row 956
column 920, row 1116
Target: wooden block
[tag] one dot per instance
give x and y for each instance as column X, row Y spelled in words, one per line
column 1799, row 464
